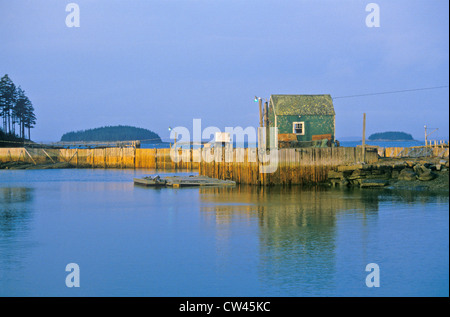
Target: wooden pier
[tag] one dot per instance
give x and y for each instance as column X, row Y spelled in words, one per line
column 293, row 166
column 241, row 165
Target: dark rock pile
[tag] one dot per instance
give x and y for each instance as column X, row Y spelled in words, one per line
column 384, row 172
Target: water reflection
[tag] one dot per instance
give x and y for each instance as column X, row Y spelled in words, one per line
column 15, row 219
column 14, row 210
column 297, row 230
column 411, row 197
column 242, row 241
column 100, row 187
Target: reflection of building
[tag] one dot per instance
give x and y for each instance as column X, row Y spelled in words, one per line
column 278, row 204
column 297, row 230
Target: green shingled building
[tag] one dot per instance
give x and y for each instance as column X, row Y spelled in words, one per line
column 303, row 119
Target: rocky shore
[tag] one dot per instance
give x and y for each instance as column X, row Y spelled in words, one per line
column 410, row 173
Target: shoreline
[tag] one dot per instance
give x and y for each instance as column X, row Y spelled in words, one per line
column 414, row 174
column 385, row 174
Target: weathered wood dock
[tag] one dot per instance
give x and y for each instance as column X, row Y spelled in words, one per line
column 293, row 166
column 242, row 165
column 182, row 181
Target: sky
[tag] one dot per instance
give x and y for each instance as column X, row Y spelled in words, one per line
column 161, row 63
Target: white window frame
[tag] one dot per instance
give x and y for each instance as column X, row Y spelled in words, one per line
column 303, row 127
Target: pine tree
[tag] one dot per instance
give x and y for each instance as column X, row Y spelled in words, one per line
column 29, row 118
column 7, row 101
column 20, row 110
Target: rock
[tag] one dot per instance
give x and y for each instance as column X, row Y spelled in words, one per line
column 421, row 169
column 427, row 176
column 423, row 173
column 373, row 183
column 377, row 172
column 443, row 163
column 407, row 175
column 334, row 174
column 352, row 167
column 395, row 174
column 409, row 163
column 438, row 167
column 357, row 174
column 398, row 166
column 381, row 171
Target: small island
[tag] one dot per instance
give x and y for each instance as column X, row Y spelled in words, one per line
column 391, row 136
column 112, row 133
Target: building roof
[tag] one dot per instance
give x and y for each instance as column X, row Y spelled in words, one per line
column 302, row 104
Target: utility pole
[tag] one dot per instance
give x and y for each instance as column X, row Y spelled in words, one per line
column 266, row 112
column 266, row 123
column 364, row 139
column 259, row 99
column 260, row 113
column 175, row 143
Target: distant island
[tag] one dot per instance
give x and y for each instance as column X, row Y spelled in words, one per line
column 113, row 133
column 391, row 136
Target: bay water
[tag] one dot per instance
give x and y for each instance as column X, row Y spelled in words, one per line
column 129, row 240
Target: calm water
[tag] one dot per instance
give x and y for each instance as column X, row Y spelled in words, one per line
column 243, row 241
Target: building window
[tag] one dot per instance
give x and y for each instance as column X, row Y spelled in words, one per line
column 298, row 128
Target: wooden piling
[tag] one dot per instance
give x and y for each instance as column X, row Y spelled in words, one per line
column 243, row 165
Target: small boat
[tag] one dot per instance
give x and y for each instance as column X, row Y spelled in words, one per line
column 182, row 181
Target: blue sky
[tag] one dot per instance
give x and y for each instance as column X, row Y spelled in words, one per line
column 161, row 63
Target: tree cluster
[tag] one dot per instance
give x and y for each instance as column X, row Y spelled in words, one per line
column 391, row 136
column 112, row 133
column 16, row 110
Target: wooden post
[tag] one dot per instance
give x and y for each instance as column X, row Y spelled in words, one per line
column 48, row 156
column 260, row 113
column 266, row 123
column 428, row 134
column 29, row 156
column 76, row 153
column 364, row 139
